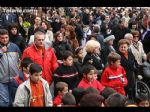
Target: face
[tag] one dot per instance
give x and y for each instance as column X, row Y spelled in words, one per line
column 136, row 38
column 90, row 75
column 133, row 26
column 130, row 40
column 67, row 33
column 14, row 31
column 4, row 39
column 64, row 91
column 68, row 61
column 110, row 42
column 36, row 77
column 26, row 70
column 123, row 48
column 116, row 63
column 44, row 26
column 37, row 20
column 144, row 104
column 96, row 50
column 39, row 40
column 60, row 37
column 80, row 54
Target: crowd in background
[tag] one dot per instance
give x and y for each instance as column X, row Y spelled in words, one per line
column 83, row 54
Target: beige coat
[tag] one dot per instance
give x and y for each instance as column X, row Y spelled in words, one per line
column 138, row 54
column 23, row 94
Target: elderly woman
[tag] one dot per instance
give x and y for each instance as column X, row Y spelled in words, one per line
column 92, row 57
column 130, row 65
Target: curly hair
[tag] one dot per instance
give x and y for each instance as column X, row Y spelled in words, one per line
column 71, row 30
column 91, row 44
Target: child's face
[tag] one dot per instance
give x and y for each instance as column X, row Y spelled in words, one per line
column 90, row 75
column 36, row 77
column 80, row 54
column 68, row 61
column 144, row 103
column 116, row 63
column 65, row 90
column 60, row 37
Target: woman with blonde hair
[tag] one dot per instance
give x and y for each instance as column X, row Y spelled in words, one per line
column 92, row 57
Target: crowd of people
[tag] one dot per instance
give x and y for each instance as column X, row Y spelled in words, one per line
column 74, row 56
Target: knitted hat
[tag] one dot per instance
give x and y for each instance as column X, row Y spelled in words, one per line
column 109, row 38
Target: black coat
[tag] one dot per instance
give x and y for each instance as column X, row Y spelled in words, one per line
column 105, row 52
column 18, row 40
column 146, row 42
column 60, row 47
column 97, row 63
column 131, row 68
column 119, row 34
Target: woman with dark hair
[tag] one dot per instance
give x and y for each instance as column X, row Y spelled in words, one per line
column 16, row 38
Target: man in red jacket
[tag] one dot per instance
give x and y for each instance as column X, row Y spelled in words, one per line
column 43, row 56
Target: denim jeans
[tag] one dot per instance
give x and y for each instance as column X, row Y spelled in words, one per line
column 4, row 95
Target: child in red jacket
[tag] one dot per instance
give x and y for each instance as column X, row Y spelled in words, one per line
column 89, row 78
column 61, row 89
column 114, row 74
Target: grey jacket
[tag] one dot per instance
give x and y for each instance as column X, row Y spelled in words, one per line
column 23, row 95
column 9, row 62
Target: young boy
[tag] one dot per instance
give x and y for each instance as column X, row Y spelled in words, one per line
column 61, row 89
column 67, row 72
column 114, row 75
column 142, row 100
column 34, row 92
column 88, row 78
column 21, row 77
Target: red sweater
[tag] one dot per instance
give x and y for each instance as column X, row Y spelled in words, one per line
column 115, row 78
column 57, row 101
column 84, row 83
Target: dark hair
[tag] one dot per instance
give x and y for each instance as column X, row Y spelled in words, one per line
column 107, row 92
column 87, row 68
column 68, row 99
column 13, row 25
column 78, row 93
column 78, row 49
column 116, row 100
column 3, row 32
column 148, row 55
column 66, row 54
column 25, row 62
column 91, row 89
column 140, row 97
column 93, row 35
column 91, row 100
column 60, row 86
column 35, row 68
column 113, row 57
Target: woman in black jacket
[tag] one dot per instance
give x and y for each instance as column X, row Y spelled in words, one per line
column 130, row 66
column 60, row 45
column 16, row 38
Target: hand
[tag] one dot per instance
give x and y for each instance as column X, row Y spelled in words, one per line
column 4, row 49
column 140, row 77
